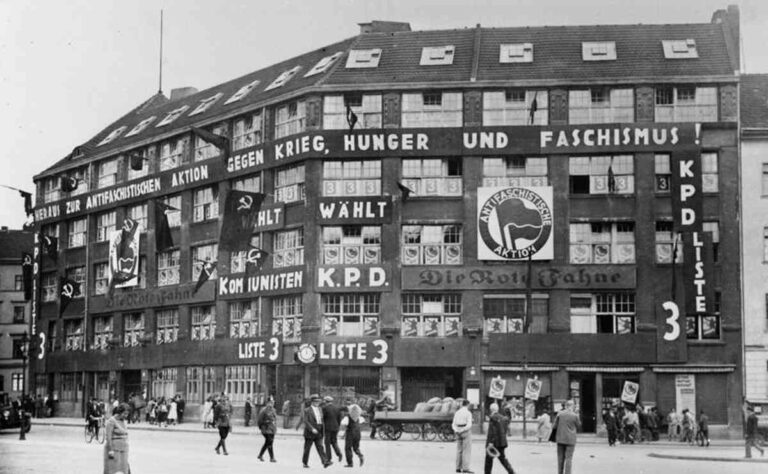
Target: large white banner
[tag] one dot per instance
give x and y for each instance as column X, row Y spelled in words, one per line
column 685, row 393
column 514, row 222
column 124, row 269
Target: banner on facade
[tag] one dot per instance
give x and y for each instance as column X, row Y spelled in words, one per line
column 532, row 389
column 260, row 350
column 514, row 223
column 685, row 392
column 630, row 391
column 123, row 268
column 496, row 390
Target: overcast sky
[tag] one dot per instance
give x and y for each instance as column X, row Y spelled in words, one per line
column 68, row 68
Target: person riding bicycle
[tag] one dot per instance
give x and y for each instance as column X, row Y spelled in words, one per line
column 95, row 414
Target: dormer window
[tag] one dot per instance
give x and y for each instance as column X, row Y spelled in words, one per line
column 283, row 78
column 112, row 135
column 141, row 126
column 205, row 104
column 172, row 115
column 680, row 49
column 516, row 53
column 362, row 58
column 242, row 92
column 323, row 64
column 433, row 99
column 434, row 56
column 598, row 51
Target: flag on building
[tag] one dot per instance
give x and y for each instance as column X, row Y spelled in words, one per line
column 534, row 107
column 205, row 274
column 68, row 289
column 50, row 246
column 241, row 210
column 405, row 191
column 137, row 161
column 219, row 141
column 26, row 272
column 254, row 260
column 351, row 118
column 163, row 236
column 123, row 268
column 674, row 273
column 69, row 183
column 611, row 179
column 27, row 202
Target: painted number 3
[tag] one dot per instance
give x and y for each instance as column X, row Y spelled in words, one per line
column 674, row 313
column 275, row 348
column 382, row 347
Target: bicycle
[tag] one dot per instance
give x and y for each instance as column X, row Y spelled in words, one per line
column 90, row 433
column 700, row 438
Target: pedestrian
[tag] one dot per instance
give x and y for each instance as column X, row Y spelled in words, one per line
column 751, row 434
column 116, row 442
column 496, row 442
column 181, row 405
column 611, row 425
column 652, row 422
column 704, row 426
column 631, row 422
column 173, row 412
column 132, row 405
column 687, row 427
column 462, row 426
column 38, row 406
column 162, row 412
column 544, row 426
column 673, row 425
column 313, row 432
column 567, row 424
column 151, row 413
column 331, row 420
column 267, row 423
column 207, row 413
column 351, row 425
column 222, row 413
column 248, row 410
column 285, row 411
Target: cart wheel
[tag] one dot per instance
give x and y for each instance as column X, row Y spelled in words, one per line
column 429, row 432
column 413, row 430
column 446, row 432
column 397, row 432
column 385, row 431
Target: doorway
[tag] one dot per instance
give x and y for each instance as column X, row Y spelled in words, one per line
column 422, row 383
column 582, row 391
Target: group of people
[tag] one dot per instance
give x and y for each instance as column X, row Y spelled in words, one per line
column 631, row 423
column 36, row 405
column 684, row 425
column 322, row 421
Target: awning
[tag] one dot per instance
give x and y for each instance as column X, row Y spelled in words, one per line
column 694, row 369
column 609, row 369
column 519, row 368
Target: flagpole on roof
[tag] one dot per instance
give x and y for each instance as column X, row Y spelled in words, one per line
column 160, row 84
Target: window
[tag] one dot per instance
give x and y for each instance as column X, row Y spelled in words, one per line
column 432, row 244
column 686, row 104
column 18, row 283
column 17, row 382
column 205, row 204
column 602, row 242
column 168, row 268
column 323, row 64
column 194, row 384
column 601, row 105
column 18, row 314
column 241, row 381
column 142, row 275
column 238, row 260
column 351, row 244
column 53, row 343
column 284, row 77
column 206, row 104
column 516, row 53
column 202, row 255
column 432, row 109
column 436, row 56
column 506, row 314
column 367, row 108
column 242, row 92
column 69, row 386
column 167, row 326
column 101, row 278
column 288, row 248
column 433, row 176
column 173, row 153
column 106, row 223
column 102, row 332
column 611, row 313
column 518, row 171
column 51, row 189
column 172, row 115
column 248, row 131
column 141, row 126
column 106, row 172
column 112, row 135
column 765, row 244
column 203, row 323
column 174, row 217
column 352, row 178
column 709, row 176
column 290, row 119
column 289, row 184
column 663, row 172
column 598, row 51
column 251, row 183
column 515, row 107
column 205, row 150
column 73, row 335
column 77, row 274
column 244, row 318
column 704, row 326
column 362, row 58
column 49, row 287
column 164, row 382
column 679, row 49
column 133, row 329
column 139, row 214
column 602, row 174
column 147, row 155
column 667, row 242
column 287, row 313
column 431, row 315
column 714, row 228
column 17, row 348
column 81, row 177
column 354, row 314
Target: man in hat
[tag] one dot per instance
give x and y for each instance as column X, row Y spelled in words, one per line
column 331, row 420
column 313, row 431
column 751, row 433
column 496, row 442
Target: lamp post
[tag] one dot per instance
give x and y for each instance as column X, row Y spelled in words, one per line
column 24, row 355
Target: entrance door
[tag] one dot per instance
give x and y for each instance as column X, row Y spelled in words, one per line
column 422, row 383
column 131, row 383
column 582, row 391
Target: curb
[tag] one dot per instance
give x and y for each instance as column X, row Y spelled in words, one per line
column 707, row 458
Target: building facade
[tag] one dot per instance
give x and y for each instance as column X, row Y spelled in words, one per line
column 443, row 209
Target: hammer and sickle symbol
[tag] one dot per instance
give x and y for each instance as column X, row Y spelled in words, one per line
column 128, row 225
column 67, row 290
column 27, row 260
column 245, row 203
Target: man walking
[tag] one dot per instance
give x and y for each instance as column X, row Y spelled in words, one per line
column 248, row 411
column 462, row 426
column 497, row 440
column 751, row 435
column 313, row 432
column 567, row 424
column 331, row 420
column 704, row 426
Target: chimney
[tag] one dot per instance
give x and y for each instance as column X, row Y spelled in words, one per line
column 377, row 26
column 729, row 19
column 181, row 92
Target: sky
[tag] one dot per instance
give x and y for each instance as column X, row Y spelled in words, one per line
column 70, row 68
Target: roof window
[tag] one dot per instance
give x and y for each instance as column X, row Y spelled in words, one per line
column 172, row 115
column 205, row 104
column 680, row 49
column 141, row 126
column 361, row 58
column 242, row 92
column 516, row 53
column 284, row 77
column 323, row 64
column 112, row 135
column 598, row 51
column 439, row 55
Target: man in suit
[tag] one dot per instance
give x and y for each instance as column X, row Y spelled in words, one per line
column 567, row 424
column 497, row 437
column 331, row 420
column 313, row 432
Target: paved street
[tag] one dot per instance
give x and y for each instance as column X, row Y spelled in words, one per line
column 61, row 450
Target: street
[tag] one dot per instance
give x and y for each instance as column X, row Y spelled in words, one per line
column 61, row 450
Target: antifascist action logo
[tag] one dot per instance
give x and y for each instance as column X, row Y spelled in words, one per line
column 515, row 223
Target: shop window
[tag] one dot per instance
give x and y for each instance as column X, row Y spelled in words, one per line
column 141, row 126
column 516, row 171
column 433, row 177
column 242, row 92
column 139, row 214
column 133, row 329
column 506, row 314
column 611, row 313
column 290, row 119
column 288, row 248
column 432, row 244
column 431, row 315
column 106, row 173
column 205, row 204
column 601, row 105
column 244, row 318
column 73, row 334
column 238, row 260
column 602, row 174
column 49, row 287
column 167, row 326
column 102, row 332
column 351, row 314
column 101, row 278
column 663, row 173
column 349, row 385
column 164, row 383
column 705, row 326
column 203, row 323
column 69, row 386
column 366, row 107
column 289, row 184
column 351, row 244
column 200, row 256
column 77, row 229
column 241, row 381
column 686, row 104
column 287, row 314
column 205, row 150
column 168, row 267
column 667, row 242
column 248, row 131
column 352, row 178
column 602, row 242
column 709, row 174
column 432, row 109
column 173, row 153
column 174, row 216
column 77, row 274
column 106, row 223
column 516, row 107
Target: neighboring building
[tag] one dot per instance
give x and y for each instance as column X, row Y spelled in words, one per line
column 754, row 230
column 422, row 295
column 14, row 311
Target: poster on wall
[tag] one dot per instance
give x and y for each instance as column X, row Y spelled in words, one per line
column 685, row 392
column 629, row 393
column 496, row 390
column 514, row 223
column 532, row 389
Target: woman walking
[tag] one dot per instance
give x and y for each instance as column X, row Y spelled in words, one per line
column 544, row 427
column 116, row 445
column 173, row 413
column 352, row 437
column 207, row 414
column 221, row 416
column 267, row 423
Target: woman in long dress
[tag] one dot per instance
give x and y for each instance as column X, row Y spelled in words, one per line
column 173, row 413
column 116, row 444
column 544, row 428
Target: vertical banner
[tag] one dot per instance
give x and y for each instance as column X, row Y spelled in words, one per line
column 686, row 190
column 698, row 273
column 685, row 393
column 124, row 255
